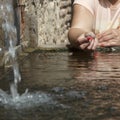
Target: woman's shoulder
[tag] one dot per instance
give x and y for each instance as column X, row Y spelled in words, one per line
column 91, row 5
column 86, row 1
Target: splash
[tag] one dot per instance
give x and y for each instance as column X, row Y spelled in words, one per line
column 27, row 100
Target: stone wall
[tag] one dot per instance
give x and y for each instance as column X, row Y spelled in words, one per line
column 47, row 22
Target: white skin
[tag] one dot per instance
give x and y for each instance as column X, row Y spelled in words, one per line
column 82, row 25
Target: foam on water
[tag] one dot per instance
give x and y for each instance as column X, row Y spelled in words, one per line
column 27, row 100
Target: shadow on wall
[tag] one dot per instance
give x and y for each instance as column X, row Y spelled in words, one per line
column 1, row 36
column 71, row 9
column 72, row 1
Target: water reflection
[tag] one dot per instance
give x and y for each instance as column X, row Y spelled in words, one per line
column 97, row 67
column 99, row 75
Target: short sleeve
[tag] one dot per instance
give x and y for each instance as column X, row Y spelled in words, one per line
column 89, row 4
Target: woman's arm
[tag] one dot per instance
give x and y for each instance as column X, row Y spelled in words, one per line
column 82, row 23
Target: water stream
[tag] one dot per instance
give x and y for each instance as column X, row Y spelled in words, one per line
column 7, row 15
column 14, row 99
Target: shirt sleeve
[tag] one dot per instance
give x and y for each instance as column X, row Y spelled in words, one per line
column 88, row 4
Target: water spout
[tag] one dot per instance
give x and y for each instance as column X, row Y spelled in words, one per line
column 7, row 16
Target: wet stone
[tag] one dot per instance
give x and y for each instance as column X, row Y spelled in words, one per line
column 87, row 103
column 112, row 109
column 58, row 90
column 102, row 87
column 76, row 94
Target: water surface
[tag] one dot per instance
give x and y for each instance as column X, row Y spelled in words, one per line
column 75, row 86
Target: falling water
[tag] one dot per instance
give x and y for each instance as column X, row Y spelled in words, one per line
column 7, row 16
column 14, row 99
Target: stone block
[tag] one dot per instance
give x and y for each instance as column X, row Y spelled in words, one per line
column 47, row 22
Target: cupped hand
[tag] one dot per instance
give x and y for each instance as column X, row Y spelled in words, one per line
column 109, row 38
column 87, row 41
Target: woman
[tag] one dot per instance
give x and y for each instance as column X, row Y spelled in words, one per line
column 95, row 23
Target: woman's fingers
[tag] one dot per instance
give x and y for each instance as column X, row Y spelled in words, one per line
column 112, row 42
column 109, row 38
column 105, row 36
column 95, row 44
column 84, row 46
column 90, row 34
column 87, row 41
column 91, row 44
column 82, row 39
column 82, row 42
column 109, row 35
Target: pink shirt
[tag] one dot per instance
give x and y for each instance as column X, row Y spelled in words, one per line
column 106, row 16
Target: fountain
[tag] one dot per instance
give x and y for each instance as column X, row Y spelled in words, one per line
column 14, row 99
column 88, row 85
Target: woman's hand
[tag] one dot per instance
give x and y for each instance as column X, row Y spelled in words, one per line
column 87, row 41
column 109, row 38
